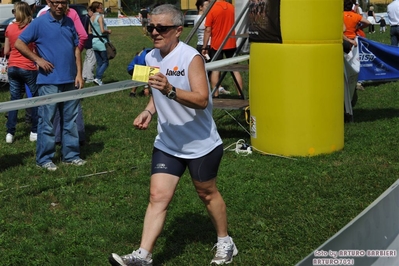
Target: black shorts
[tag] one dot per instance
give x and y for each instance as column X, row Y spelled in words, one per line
column 201, row 169
column 228, row 53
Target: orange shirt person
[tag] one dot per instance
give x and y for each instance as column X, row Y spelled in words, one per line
column 353, row 21
column 218, row 23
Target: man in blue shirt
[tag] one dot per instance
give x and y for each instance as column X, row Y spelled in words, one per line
column 60, row 69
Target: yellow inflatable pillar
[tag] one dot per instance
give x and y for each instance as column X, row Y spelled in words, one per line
column 296, row 87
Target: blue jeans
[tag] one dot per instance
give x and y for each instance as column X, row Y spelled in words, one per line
column 45, row 147
column 79, row 123
column 102, row 63
column 394, row 32
column 17, row 78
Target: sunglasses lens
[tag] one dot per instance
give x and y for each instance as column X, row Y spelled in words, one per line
column 160, row 29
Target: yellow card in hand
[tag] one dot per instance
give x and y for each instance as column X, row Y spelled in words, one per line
column 142, row 73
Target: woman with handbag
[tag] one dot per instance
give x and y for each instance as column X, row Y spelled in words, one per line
column 100, row 37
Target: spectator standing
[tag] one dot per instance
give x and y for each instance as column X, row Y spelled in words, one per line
column 353, row 22
column 371, row 19
column 99, row 29
column 83, row 39
column 393, row 15
column 143, row 16
column 71, row 13
column 187, row 136
column 21, row 70
column 201, row 7
column 60, row 69
column 90, row 58
column 218, row 23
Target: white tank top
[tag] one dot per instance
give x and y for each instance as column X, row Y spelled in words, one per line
column 182, row 131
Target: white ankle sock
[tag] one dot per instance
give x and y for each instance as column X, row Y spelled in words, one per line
column 224, row 239
column 144, row 254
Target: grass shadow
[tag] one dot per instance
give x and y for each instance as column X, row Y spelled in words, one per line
column 369, row 115
column 13, row 160
column 183, row 230
column 90, row 148
column 90, row 129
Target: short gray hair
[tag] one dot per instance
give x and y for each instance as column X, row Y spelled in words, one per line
column 173, row 11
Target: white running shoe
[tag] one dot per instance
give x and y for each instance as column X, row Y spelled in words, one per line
column 98, row 82
column 33, row 136
column 50, row 166
column 224, row 252
column 76, row 162
column 223, row 91
column 132, row 259
column 9, row 138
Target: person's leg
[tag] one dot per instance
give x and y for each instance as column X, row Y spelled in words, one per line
column 45, row 146
column 394, row 38
column 88, row 65
column 146, row 91
column 57, row 125
column 162, row 189
column 215, row 205
column 102, row 63
column 70, row 138
column 30, row 81
column 229, row 54
column 133, row 92
column 80, row 123
column 396, row 35
column 203, row 172
column 16, row 87
column 215, row 75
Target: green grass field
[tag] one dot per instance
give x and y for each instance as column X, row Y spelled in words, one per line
column 279, row 210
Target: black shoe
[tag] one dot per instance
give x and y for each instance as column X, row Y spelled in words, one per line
column 132, row 94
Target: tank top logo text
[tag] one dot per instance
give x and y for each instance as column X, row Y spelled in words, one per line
column 175, row 72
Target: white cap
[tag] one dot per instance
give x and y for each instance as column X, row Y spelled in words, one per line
column 357, row 3
column 29, row 2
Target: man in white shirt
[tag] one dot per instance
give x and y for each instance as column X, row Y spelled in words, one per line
column 393, row 15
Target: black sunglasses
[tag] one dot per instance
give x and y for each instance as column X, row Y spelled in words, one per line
column 160, row 29
column 13, row 11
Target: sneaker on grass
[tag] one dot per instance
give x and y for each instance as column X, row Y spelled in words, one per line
column 9, row 138
column 132, row 259
column 76, row 162
column 224, row 252
column 33, row 137
column 50, row 166
column 99, row 82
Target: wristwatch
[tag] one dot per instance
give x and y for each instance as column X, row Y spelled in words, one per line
column 172, row 93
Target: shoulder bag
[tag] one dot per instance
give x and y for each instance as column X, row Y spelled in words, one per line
column 110, row 48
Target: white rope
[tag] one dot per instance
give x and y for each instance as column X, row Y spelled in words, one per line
column 245, row 149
